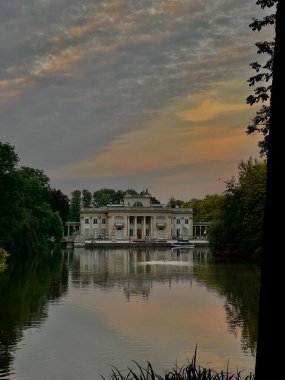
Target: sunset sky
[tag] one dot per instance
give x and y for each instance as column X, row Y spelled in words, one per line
column 129, row 93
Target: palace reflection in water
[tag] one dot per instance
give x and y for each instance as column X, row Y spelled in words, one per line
column 121, row 305
column 133, row 270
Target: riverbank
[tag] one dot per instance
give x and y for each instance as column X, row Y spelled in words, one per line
column 135, row 243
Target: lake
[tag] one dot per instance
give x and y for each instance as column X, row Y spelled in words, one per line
column 76, row 313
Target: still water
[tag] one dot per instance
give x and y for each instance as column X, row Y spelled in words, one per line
column 76, row 313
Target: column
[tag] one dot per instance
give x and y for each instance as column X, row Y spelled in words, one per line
column 99, row 227
column 168, row 227
column 135, row 227
column 144, row 226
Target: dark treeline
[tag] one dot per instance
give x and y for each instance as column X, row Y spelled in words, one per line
column 239, row 221
column 237, row 215
column 31, row 212
column 99, row 198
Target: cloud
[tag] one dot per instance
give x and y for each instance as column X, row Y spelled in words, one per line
column 119, row 91
column 164, row 144
column 10, row 88
column 210, row 109
column 63, row 62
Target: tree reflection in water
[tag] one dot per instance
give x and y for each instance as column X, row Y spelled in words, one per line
column 239, row 282
column 26, row 287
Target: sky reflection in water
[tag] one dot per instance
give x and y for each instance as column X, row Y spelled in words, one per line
column 118, row 306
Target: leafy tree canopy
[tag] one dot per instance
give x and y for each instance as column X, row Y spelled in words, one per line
column 240, row 221
column 28, row 220
column 261, row 81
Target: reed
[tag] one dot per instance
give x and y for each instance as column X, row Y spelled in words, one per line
column 191, row 371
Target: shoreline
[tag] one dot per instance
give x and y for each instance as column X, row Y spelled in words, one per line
column 88, row 243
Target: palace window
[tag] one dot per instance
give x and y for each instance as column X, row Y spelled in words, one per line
column 186, row 221
column 103, row 221
column 95, row 221
column 177, row 221
column 86, row 221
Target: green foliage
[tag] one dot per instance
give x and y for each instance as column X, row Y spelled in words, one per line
column 8, row 159
column 75, row 205
column 241, row 216
column 174, row 203
column 261, row 81
column 60, row 202
column 190, row 371
column 204, row 210
column 86, row 198
column 207, row 209
column 27, row 219
column 118, row 197
column 56, row 229
column 104, row 197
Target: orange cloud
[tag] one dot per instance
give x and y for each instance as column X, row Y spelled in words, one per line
column 147, row 150
column 210, row 109
column 64, row 61
column 11, row 88
column 207, row 137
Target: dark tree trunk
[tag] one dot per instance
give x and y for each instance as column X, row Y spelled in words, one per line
column 271, row 318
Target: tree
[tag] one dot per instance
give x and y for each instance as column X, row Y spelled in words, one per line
column 56, row 229
column 27, row 220
column 36, row 219
column 9, row 195
column 270, row 319
column 60, row 202
column 240, row 219
column 174, row 202
column 118, row 197
column 8, row 159
column 207, row 209
column 262, row 79
column 86, row 198
column 75, row 206
column 103, row 197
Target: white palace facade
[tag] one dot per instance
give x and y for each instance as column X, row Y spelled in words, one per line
column 137, row 218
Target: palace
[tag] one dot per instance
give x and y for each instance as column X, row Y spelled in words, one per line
column 137, row 218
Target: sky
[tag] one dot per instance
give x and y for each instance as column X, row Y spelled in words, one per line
column 129, row 94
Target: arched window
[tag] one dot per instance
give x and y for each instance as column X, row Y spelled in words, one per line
column 138, row 204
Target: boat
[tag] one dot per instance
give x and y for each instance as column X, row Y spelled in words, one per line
column 183, row 243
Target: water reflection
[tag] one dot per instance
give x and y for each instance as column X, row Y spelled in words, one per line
column 134, row 270
column 26, row 287
column 166, row 300
column 239, row 282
